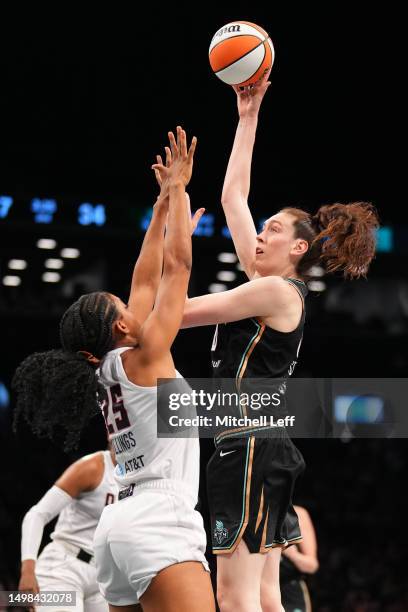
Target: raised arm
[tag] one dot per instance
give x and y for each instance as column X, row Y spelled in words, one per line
column 162, row 325
column 148, row 269
column 237, row 181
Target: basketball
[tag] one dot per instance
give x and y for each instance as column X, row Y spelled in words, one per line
column 240, row 52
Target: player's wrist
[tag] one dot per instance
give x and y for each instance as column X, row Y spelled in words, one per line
column 248, row 120
column 161, row 203
column 176, row 184
column 28, row 566
column 253, row 113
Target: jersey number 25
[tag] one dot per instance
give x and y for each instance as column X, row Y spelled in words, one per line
column 113, row 410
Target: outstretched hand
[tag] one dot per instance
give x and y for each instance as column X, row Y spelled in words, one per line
column 161, row 179
column 195, row 219
column 249, row 98
column 180, row 166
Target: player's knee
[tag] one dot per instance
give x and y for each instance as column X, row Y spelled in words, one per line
column 270, row 597
column 235, row 601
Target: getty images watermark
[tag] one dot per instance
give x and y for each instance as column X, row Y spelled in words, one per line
column 207, row 408
column 244, row 403
column 342, row 408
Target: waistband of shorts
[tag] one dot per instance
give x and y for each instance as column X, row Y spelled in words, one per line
column 168, row 485
column 73, row 549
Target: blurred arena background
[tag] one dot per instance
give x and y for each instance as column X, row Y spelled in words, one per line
column 83, row 111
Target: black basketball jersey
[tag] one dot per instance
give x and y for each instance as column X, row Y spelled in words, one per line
column 249, row 349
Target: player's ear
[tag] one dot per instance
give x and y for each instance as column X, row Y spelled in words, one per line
column 300, row 247
column 121, row 326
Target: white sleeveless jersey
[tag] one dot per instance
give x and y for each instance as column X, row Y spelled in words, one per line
column 77, row 521
column 130, row 414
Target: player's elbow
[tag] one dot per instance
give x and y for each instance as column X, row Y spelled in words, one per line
column 177, row 263
column 31, row 512
column 225, row 199
column 230, row 198
column 35, row 513
column 312, row 566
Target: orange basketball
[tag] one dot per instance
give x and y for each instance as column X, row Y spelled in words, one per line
column 240, row 52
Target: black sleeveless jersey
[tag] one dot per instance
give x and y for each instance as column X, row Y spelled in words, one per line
column 248, row 349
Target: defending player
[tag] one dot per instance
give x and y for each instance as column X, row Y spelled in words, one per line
column 67, row 563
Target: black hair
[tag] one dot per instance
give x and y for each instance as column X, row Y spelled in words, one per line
column 57, row 390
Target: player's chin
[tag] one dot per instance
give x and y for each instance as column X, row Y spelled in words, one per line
column 262, row 265
column 259, row 264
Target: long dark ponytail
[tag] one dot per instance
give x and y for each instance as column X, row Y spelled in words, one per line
column 57, row 390
column 341, row 237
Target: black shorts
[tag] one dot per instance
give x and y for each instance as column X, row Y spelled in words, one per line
column 295, row 596
column 250, row 484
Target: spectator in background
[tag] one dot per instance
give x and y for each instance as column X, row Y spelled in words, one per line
column 296, row 561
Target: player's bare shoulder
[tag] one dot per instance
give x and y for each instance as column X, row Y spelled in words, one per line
column 286, row 304
column 83, row 475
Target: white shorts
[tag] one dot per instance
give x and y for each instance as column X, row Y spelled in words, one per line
column 57, row 569
column 141, row 535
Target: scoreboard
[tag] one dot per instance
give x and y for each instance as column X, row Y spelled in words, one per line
column 71, row 213
column 65, row 212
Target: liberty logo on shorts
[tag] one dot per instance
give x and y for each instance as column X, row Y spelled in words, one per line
column 220, row 532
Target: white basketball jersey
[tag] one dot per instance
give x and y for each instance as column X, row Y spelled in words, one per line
column 77, row 522
column 130, row 413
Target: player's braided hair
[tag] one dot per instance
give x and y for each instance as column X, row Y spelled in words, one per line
column 57, row 390
column 340, row 236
